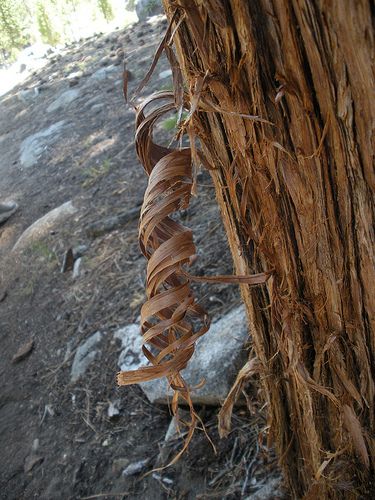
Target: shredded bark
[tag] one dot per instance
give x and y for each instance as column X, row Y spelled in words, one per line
column 297, row 191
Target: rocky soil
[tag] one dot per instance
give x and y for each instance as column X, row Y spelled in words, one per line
column 79, row 185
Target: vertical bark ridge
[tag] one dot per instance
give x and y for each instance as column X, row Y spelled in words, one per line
column 302, row 192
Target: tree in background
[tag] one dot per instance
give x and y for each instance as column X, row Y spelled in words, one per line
column 290, row 135
column 12, row 33
column 26, row 21
column 46, row 29
column 106, row 9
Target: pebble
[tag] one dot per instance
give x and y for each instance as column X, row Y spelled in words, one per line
column 77, row 268
column 23, row 352
column 136, row 467
column 32, row 461
column 165, row 74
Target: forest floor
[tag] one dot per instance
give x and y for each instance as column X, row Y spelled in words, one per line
column 57, row 438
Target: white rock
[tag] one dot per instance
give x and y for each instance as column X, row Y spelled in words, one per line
column 64, row 100
column 84, row 356
column 135, row 467
column 32, row 147
column 76, row 268
column 114, row 408
column 165, row 74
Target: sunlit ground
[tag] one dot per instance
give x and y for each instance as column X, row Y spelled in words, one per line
column 82, row 24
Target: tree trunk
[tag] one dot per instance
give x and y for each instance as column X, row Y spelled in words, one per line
column 297, row 196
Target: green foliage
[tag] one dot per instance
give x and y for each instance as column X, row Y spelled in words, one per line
column 45, row 25
column 23, row 22
column 106, row 9
column 12, row 34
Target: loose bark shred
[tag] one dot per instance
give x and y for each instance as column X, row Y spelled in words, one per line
column 168, row 245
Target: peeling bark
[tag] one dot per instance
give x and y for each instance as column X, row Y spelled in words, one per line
column 298, row 196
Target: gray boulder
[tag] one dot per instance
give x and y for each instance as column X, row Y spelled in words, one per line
column 64, row 100
column 32, row 147
column 218, row 357
column 103, row 74
column 43, row 225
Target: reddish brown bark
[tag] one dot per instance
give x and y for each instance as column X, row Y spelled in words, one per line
column 298, row 196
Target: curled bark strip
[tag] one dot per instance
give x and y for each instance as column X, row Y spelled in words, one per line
column 168, row 246
column 168, row 334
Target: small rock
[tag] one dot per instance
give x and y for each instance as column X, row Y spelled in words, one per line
column 35, row 444
column 79, row 251
column 172, row 433
column 97, row 108
column 120, row 52
column 73, row 82
column 84, row 356
column 102, row 74
column 93, row 100
column 136, row 467
column 23, row 352
column 76, row 75
column 118, row 465
column 165, row 74
column 165, row 480
column 77, row 268
column 31, row 461
column 114, row 408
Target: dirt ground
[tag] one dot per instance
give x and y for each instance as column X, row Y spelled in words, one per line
column 57, row 440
